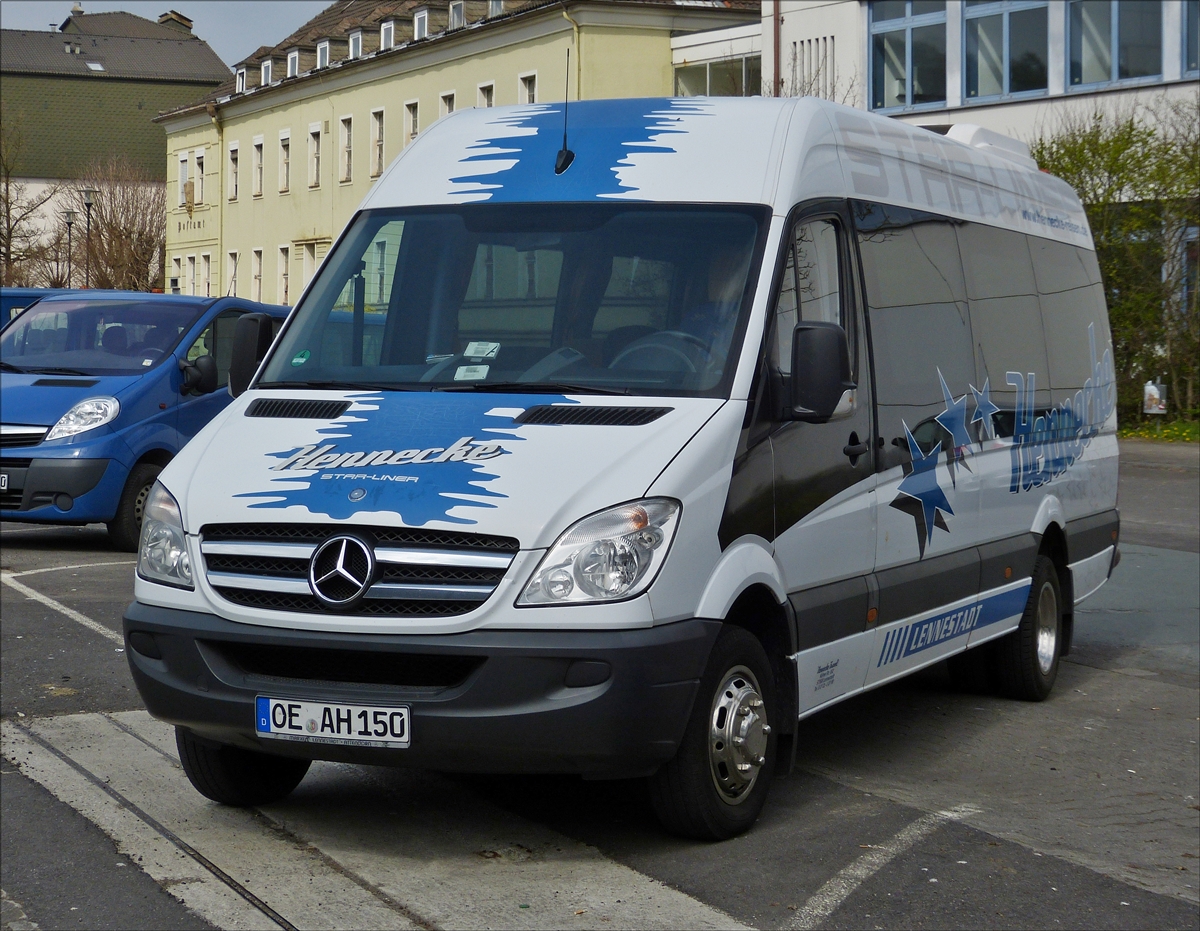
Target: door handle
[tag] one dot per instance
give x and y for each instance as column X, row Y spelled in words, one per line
column 855, row 448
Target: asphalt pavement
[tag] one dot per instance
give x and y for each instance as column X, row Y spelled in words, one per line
column 911, row 806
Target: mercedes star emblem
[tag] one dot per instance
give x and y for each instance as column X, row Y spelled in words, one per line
column 341, row 570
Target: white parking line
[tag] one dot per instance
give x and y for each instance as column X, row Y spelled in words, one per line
column 830, row 896
column 82, row 565
column 9, row 580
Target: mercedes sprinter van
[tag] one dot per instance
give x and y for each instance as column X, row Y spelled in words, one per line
column 619, row 457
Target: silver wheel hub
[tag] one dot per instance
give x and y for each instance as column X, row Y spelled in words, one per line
column 737, row 735
column 1047, row 629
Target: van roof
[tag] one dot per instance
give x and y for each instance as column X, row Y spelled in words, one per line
column 775, row 151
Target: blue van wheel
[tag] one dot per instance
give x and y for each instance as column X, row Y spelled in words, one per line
column 125, row 529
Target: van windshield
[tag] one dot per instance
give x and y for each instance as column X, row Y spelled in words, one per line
column 601, row 298
column 94, row 337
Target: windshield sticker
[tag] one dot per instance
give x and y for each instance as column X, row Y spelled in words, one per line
column 420, row 455
column 481, row 349
column 301, row 357
column 471, row 372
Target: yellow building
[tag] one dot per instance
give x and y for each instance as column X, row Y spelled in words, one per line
column 263, row 175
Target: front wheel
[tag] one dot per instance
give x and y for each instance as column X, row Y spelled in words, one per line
column 125, row 528
column 233, row 776
column 716, row 785
column 1027, row 659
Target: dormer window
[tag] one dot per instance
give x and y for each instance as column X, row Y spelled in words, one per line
column 240, row 81
column 355, row 45
column 322, row 54
column 457, row 18
column 293, row 67
column 387, row 35
column 421, row 24
column 266, row 74
column 495, row 8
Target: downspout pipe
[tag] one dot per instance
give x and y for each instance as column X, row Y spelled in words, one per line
column 776, row 24
column 578, row 54
column 211, row 110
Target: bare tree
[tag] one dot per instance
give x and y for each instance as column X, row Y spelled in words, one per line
column 20, row 231
column 128, row 227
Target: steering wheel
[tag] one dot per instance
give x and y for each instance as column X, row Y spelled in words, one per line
column 655, row 341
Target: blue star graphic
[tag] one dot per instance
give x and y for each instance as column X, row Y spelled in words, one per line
column 954, row 421
column 920, row 495
column 984, row 409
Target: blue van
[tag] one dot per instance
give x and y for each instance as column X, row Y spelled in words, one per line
column 100, row 390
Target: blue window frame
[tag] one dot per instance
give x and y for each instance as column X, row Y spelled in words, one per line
column 908, row 54
column 1191, row 43
column 1113, row 40
column 1005, row 49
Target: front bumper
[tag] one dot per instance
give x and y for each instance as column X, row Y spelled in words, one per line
column 61, row 490
column 599, row 703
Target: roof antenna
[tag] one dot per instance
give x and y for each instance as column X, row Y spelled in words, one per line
column 565, row 156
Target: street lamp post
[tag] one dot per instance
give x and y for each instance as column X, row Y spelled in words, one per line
column 89, row 198
column 70, row 218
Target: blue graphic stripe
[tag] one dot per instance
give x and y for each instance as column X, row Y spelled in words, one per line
column 919, row 636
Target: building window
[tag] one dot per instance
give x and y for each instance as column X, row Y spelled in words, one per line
column 314, row 157
column 1114, row 40
column 355, row 50
column 206, row 274
column 495, row 8
column 233, row 172
column 258, row 169
column 376, row 143
column 347, row 149
column 421, row 24
column 200, row 177
column 281, row 291
column 256, row 269
column 734, row 77
column 185, row 188
column 1191, row 45
column 413, row 118
column 285, row 164
column 1007, row 50
column 239, row 81
column 457, row 18
column 265, row 75
column 387, row 35
column 908, row 53
column 447, row 104
column 233, row 263
column 529, row 88
column 191, row 277
column 322, row 54
column 293, row 63
column 487, row 95
column 176, row 274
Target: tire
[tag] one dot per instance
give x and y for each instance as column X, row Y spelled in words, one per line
column 1027, row 659
column 126, row 527
column 692, row 794
column 233, row 776
column 974, row 671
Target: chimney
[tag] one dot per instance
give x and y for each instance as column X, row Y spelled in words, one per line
column 175, row 20
column 77, row 10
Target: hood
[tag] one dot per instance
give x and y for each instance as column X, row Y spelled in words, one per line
column 426, row 459
column 40, row 400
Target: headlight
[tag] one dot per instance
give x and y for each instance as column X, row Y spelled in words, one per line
column 606, row 557
column 162, row 554
column 86, row 415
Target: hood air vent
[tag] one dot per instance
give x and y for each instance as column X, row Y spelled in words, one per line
column 592, row 416
column 296, row 409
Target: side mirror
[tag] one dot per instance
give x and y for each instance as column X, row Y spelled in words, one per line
column 251, row 340
column 821, row 382
column 200, row 376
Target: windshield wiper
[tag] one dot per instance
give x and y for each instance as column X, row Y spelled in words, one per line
column 528, row 387
column 9, row 367
column 335, row 385
column 54, row 371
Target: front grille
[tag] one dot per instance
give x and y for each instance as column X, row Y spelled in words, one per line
column 14, row 440
column 296, row 409
column 593, row 416
column 418, row 573
column 10, row 501
column 361, row 667
column 308, row 604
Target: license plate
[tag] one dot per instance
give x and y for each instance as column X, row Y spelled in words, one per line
column 321, row 722
column 3, row 481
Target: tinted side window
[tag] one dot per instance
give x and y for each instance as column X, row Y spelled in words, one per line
column 217, row 341
column 920, row 328
column 1006, row 319
column 810, row 288
column 1072, row 298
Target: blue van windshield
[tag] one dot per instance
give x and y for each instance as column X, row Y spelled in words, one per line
column 604, row 298
column 94, row 337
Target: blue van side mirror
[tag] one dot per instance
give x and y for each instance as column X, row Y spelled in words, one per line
column 251, row 339
column 199, row 376
column 821, row 383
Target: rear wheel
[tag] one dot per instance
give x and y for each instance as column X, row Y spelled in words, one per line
column 125, row 528
column 1027, row 659
column 233, row 776
column 717, row 783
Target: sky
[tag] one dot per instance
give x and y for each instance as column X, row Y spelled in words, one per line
column 233, row 28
